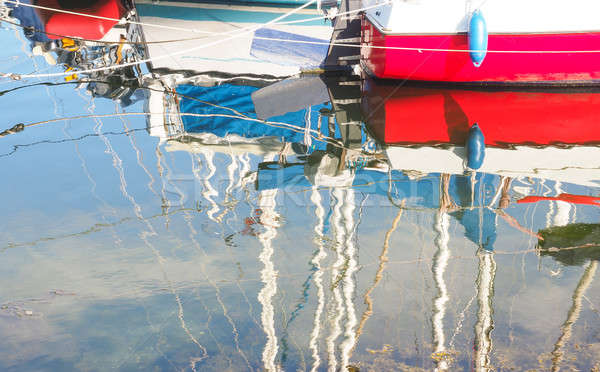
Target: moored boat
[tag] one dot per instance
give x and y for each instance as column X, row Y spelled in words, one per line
column 46, row 20
column 484, row 42
column 274, row 38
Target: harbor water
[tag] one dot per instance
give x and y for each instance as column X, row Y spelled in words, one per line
column 267, row 224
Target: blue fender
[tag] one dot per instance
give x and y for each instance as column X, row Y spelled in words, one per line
column 478, row 38
column 475, row 147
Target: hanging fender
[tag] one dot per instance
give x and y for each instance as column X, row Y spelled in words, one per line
column 478, row 38
column 475, row 147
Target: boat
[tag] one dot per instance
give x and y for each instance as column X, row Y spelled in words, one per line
column 96, row 43
column 483, row 42
column 275, row 37
column 47, row 20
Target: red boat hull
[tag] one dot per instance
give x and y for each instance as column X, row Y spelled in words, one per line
column 429, row 116
column 59, row 24
column 456, row 67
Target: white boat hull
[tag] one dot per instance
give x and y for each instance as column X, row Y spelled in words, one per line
column 230, row 39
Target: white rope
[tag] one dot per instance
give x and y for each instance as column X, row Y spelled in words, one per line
column 241, row 32
column 427, row 49
column 28, row 76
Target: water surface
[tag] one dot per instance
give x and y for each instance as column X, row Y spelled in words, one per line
column 221, row 249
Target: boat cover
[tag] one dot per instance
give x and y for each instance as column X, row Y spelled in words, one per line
column 220, row 100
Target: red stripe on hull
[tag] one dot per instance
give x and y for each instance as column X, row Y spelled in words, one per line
column 569, row 198
column 457, row 67
column 426, row 116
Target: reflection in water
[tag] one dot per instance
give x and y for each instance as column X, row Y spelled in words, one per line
column 146, row 237
column 563, row 209
column 243, row 179
column 349, row 277
column 210, row 193
column 440, row 262
column 317, row 260
column 572, row 244
column 269, row 220
column 383, row 259
column 573, row 315
column 336, row 309
column 485, row 320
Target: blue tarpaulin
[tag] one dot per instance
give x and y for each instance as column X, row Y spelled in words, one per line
column 218, row 99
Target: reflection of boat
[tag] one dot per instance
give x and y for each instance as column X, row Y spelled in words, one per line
column 320, row 165
column 490, row 41
column 526, row 133
column 430, row 116
column 323, row 144
column 240, row 116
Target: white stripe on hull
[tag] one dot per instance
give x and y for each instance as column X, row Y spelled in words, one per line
column 501, row 16
column 578, row 165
